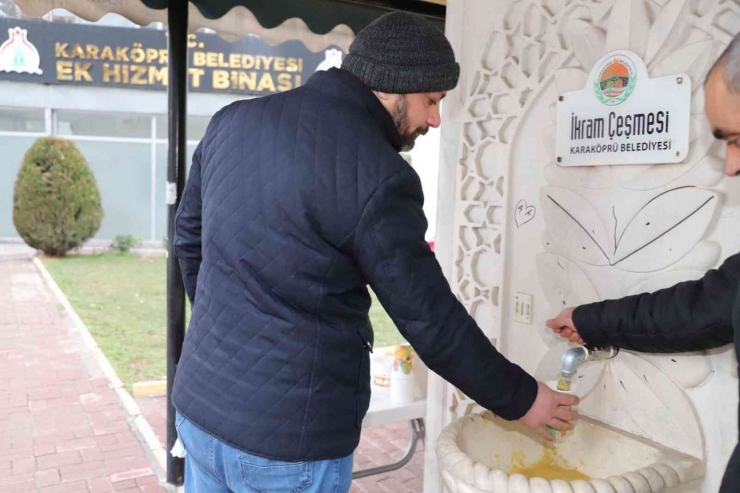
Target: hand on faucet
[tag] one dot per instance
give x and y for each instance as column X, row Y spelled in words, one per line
column 548, row 410
column 563, row 325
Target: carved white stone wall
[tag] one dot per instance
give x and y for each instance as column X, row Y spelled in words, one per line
column 514, row 66
column 628, row 229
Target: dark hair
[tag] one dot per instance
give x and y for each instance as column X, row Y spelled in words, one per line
column 730, row 60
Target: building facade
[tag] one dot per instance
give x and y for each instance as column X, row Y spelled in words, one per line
column 105, row 88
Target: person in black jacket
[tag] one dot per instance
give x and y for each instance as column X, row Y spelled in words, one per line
column 294, row 204
column 689, row 316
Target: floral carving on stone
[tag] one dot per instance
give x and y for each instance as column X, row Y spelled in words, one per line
column 610, row 230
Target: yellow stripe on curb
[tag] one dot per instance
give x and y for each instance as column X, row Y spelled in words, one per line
column 149, row 389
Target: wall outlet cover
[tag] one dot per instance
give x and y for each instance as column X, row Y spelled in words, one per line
column 523, row 308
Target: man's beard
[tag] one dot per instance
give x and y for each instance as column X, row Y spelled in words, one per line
column 408, row 137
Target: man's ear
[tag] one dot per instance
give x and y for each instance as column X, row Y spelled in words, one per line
column 383, row 96
column 388, row 100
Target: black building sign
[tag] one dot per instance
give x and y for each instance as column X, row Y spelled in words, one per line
column 58, row 53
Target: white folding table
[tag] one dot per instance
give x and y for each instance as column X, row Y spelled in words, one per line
column 382, row 412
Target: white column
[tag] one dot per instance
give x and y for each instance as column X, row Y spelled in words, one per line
column 437, row 388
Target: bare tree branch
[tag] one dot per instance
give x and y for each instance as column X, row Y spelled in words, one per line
column 8, row 8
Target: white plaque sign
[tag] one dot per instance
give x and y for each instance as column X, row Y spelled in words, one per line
column 623, row 117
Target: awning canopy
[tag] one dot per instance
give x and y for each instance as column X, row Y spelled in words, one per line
column 321, row 16
column 317, row 23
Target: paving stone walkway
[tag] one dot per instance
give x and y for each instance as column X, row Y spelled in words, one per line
column 62, row 428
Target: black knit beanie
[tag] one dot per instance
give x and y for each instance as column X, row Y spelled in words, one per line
column 403, row 53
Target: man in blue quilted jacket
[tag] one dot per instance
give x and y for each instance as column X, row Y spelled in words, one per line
column 690, row 316
column 295, row 203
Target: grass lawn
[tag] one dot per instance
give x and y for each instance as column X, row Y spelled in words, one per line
column 122, row 300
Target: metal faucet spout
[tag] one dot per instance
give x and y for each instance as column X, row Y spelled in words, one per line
column 574, row 357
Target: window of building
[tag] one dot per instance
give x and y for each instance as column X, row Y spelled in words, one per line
column 196, row 127
column 22, row 120
column 118, row 125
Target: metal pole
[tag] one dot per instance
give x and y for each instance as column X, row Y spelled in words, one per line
column 177, row 18
column 418, row 432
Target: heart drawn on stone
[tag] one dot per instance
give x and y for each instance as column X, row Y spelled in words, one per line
column 524, row 213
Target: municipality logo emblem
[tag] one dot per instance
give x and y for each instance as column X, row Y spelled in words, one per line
column 615, row 80
column 332, row 59
column 19, row 55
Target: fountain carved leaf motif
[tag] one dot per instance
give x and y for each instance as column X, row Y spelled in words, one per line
column 667, row 28
column 587, row 42
column 660, row 175
column 570, row 79
column 563, row 282
column 701, row 258
column 574, row 226
column 599, row 10
column 697, row 100
column 709, row 172
column 548, row 138
column 660, row 409
column 590, row 177
column 632, row 394
column 664, row 280
column 665, row 229
column 629, row 27
column 694, row 59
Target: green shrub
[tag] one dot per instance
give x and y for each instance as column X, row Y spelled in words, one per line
column 56, row 201
column 124, row 243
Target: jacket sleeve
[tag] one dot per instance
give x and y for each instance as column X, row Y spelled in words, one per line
column 187, row 244
column 689, row 316
column 390, row 248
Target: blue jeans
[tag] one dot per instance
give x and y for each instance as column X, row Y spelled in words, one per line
column 212, row 466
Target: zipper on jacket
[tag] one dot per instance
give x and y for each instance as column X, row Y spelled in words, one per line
column 365, row 346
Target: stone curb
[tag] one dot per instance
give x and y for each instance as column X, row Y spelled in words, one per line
column 151, row 388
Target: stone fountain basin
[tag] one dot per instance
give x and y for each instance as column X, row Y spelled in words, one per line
column 476, row 453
